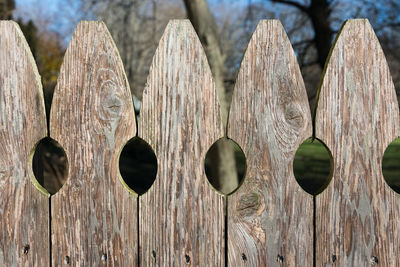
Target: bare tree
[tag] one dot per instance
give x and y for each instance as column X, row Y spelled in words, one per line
column 136, row 27
column 324, row 17
column 224, row 171
column 6, row 9
column 318, row 12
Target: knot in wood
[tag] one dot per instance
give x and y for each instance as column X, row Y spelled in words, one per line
column 289, row 106
column 248, row 204
column 110, row 103
column 76, row 186
column 4, row 171
column 293, row 116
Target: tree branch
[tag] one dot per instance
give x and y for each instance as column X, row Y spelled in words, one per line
column 300, row 25
column 387, row 25
column 301, row 7
column 303, row 42
column 308, row 64
column 303, row 54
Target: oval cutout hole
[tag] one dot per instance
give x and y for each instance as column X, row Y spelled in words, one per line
column 312, row 166
column 391, row 165
column 217, row 162
column 50, row 165
column 138, row 165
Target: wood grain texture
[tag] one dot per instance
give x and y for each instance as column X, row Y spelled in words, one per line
column 181, row 216
column 358, row 215
column 270, row 216
column 92, row 117
column 24, row 210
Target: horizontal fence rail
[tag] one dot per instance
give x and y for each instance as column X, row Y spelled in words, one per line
column 95, row 219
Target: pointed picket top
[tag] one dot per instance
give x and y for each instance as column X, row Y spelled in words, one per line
column 24, row 204
column 269, row 217
column 94, row 216
column 181, row 216
column 357, row 117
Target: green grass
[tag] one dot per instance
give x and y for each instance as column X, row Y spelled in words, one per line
column 391, row 165
column 312, row 166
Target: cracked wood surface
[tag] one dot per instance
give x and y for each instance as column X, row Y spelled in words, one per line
column 270, row 217
column 24, row 210
column 358, row 214
column 92, row 117
column 181, row 216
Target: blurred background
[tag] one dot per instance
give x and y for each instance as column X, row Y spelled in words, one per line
column 224, row 28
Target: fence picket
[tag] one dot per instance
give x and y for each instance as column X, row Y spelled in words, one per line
column 357, row 117
column 270, row 217
column 181, row 217
column 24, row 210
column 94, row 218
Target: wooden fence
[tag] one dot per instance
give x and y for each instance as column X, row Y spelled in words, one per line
column 95, row 220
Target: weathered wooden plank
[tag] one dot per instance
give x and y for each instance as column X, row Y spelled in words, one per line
column 181, row 216
column 24, row 210
column 358, row 215
column 270, row 217
column 94, row 218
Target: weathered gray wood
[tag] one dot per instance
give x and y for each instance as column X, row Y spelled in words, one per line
column 223, row 174
column 270, row 217
column 92, row 117
column 358, row 215
column 181, row 216
column 24, row 210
